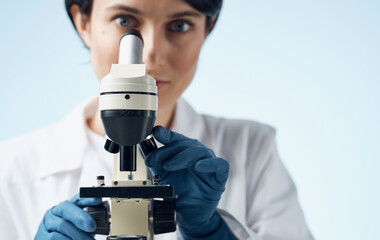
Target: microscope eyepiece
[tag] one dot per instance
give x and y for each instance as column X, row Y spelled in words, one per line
column 131, row 47
column 132, row 32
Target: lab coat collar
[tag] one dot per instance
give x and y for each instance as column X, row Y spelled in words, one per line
column 187, row 121
column 67, row 141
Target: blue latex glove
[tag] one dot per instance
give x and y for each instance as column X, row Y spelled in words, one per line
column 68, row 220
column 199, row 180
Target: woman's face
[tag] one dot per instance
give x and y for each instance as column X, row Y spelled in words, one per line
column 173, row 34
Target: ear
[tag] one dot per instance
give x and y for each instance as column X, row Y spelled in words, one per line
column 212, row 25
column 82, row 24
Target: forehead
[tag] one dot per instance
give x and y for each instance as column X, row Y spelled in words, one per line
column 147, row 8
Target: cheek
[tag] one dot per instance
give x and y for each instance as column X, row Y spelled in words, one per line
column 104, row 51
column 184, row 62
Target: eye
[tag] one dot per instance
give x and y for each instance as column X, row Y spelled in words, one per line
column 180, row 26
column 125, row 21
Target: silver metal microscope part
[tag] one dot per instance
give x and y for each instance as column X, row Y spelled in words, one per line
column 130, row 51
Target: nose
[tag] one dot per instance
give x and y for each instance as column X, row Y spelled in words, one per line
column 155, row 48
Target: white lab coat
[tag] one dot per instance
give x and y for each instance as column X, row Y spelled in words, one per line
column 41, row 169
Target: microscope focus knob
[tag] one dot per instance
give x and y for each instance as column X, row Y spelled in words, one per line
column 100, row 214
column 164, row 219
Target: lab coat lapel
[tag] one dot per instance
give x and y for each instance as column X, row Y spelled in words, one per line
column 65, row 149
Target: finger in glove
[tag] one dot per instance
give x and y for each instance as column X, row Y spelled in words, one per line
column 219, row 166
column 187, row 158
column 60, row 225
column 165, row 136
column 72, row 211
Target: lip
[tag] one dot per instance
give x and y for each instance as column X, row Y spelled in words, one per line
column 161, row 83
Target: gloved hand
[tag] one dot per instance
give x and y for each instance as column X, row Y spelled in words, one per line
column 198, row 178
column 68, row 220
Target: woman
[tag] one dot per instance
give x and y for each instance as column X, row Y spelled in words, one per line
column 257, row 191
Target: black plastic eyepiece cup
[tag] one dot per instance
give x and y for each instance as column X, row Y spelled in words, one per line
column 133, row 32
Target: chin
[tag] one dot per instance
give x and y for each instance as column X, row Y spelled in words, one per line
column 164, row 103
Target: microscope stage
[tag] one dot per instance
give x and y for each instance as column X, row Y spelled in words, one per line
column 150, row 191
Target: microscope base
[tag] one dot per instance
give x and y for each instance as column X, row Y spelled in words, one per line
column 126, row 237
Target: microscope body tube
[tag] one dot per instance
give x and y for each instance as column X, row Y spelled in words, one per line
column 128, row 98
column 131, row 47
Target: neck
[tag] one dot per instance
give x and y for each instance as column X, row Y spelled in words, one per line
column 165, row 117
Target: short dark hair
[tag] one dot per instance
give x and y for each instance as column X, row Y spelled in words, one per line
column 211, row 8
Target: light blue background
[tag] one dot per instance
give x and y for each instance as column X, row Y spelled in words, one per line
column 309, row 68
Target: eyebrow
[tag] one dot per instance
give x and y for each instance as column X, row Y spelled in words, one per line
column 185, row 14
column 126, row 8
column 139, row 12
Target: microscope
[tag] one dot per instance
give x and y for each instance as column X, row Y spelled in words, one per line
column 139, row 206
